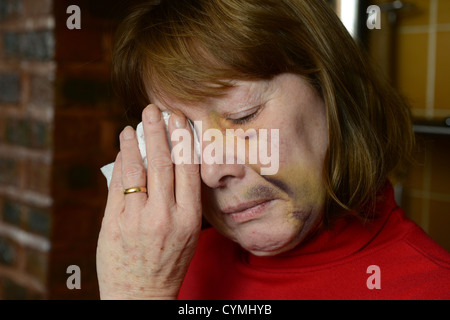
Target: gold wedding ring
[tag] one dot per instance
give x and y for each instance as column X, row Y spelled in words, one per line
column 135, row 190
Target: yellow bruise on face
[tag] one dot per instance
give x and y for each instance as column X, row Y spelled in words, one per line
column 305, row 189
column 214, row 117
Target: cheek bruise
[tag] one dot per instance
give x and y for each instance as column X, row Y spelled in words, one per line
column 301, row 216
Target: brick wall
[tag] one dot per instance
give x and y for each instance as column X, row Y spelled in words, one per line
column 58, row 126
column 27, row 73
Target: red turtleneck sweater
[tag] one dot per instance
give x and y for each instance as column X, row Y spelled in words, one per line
column 387, row 258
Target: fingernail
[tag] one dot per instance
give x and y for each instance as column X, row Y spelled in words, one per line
column 153, row 114
column 180, row 121
column 128, row 133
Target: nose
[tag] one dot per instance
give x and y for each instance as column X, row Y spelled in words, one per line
column 219, row 166
column 220, row 175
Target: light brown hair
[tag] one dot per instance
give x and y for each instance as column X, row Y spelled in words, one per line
column 187, row 48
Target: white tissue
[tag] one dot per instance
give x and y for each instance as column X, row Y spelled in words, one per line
column 108, row 169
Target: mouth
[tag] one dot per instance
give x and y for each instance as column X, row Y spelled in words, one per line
column 247, row 211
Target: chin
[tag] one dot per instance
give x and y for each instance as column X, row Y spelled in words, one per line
column 268, row 243
column 272, row 238
column 269, row 251
column 270, row 234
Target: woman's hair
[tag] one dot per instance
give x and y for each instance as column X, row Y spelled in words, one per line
column 187, row 49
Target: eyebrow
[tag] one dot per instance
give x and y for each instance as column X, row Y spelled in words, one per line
column 249, row 94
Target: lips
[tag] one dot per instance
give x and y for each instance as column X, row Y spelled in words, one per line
column 248, row 210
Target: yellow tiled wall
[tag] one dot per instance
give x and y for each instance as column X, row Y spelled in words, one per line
column 426, row 194
column 423, row 69
column 419, row 64
column 422, row 72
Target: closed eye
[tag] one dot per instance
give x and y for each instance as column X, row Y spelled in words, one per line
column 247, row 118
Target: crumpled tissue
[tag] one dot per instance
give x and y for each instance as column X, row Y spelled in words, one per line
column 108, row 169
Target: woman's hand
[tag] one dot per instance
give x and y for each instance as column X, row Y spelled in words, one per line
column 147, row 240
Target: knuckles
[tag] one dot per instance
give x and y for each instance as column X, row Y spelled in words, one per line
column 133, row 170
column 161, row 163
column 191, row 169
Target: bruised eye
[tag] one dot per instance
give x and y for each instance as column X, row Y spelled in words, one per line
column 247, row 117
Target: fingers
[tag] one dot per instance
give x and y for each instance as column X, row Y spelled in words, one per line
column 115, row 200
column 133, row 171
column 187, row 173
column 160, row 174
column 181, row 187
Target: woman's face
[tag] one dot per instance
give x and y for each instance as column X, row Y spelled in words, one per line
column 265, row 214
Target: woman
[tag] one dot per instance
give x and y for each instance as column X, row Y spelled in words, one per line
column 324, row 226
